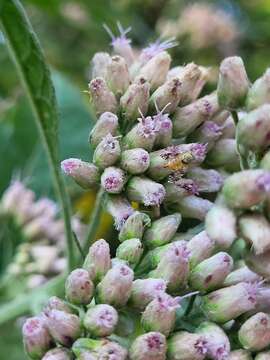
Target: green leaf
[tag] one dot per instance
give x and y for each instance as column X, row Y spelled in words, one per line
column 28, row 57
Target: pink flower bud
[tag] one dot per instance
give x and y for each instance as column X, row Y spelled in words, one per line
column 149, row 346
column 58, row 353
column 101, row 96
column 113, row 180
column 183, row 345
column 79, row 287
column 100, row 320
column 106, row 124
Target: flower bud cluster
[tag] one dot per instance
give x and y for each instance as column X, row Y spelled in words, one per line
column 188, row 279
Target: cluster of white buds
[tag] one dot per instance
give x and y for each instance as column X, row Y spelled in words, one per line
column 188, row 279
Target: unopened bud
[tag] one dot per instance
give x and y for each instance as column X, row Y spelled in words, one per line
column 167, row 94
column 149, row 346
column 259, row 263
column 115, row 287
column 59, row 353
column 120, row 209
column 164, row 126
column 186, row 119
column 117, row 75
column 160, row 314
column 142, row 135
column 98, row 260
column 211, row 273
column 113, row 180
column 107, row 152
column 246, row 188
column 253, row 130
column 183, row 345
column 220, row 225
column 265, row 162
column 224, row 154
column 265, row 355
column 206, row 180
column 217, row 342
column 228, row 303
column 101, row 96
column 135, row 100
column 63, row 327
column 131, row 251
column 193, row 207
column 228, row 129
column 256, row 230
column 243, row 274
column 145, row 191
column 146, row 290
column 201, row 247
column 79, row 287
column 151, row 259
column 135, row 161
column 85, row 174
column 233, row 83
column 162, row 230
column 156, row 69
column 106, row 124
column 254, row 334
column 99, row 65
column 240, row 355
column 58, row 304
column 173, row 266
column 100, row 320
column 134, row 226
column 208, row 133
column 179, row 188
column 36, row 337
column 259, row 93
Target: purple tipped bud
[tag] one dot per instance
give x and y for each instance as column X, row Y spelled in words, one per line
column 164, row 126
column 106, row 124
column 113, row 180
column 253, row 130
column 135, row 161
column 98, row 260
column 156, row 48
column 149, row 346
column 145, row 191
column 220, row 225
column 100, row 320
column 107, row 152
column 246, row 188
column 58, row 354
column 228, row 303
column 90, row 349
column 160, row 314
column 224, row 154
column 208, row 133
column 120, row 209
column 240, row 355
column 228, row 129
column 36, row 337
column 112, row 351
column 146, row 290
column 243, row 274
column 207, row 181
column 142, row 135
column 135, row 100
column 259, row 93
column 79, row 287
column 177, row 188
column 131, row 251
column 168, row 94
column 156, row 69
column 254, row 334
column 57, row 304
column 217, row 342
column 192, row 207
column 186, row 346
column 233, row 83
column 99, row 65
column 63, row 327
column 101, row 96
column 115, row 287
column 117, row 75
column 162, row 230
column 173, row 266
column 200, row 247
column 85, row 174
column 134, row 226
column 211, row 273
column 186, row 119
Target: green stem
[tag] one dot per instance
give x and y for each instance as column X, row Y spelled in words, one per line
column 94, row 221
column 190, row 305
column 243, row 161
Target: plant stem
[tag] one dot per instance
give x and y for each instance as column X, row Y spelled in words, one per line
column 243, row 161
column 94, row 221
column 190, row 305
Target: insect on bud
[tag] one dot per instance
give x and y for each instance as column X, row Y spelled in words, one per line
column 186, row 346
column 59, row 353
column 101, row 96
column 259, row 92
column 135, row 161
column 149, row 346
column 113, row 180
column 134, row 226
column 107, row 152
column 106, row 124
column 79, row 287
column 131, row 251
column 100, row 320
column 85, row 174
column 233, row 83
column 36, row 337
